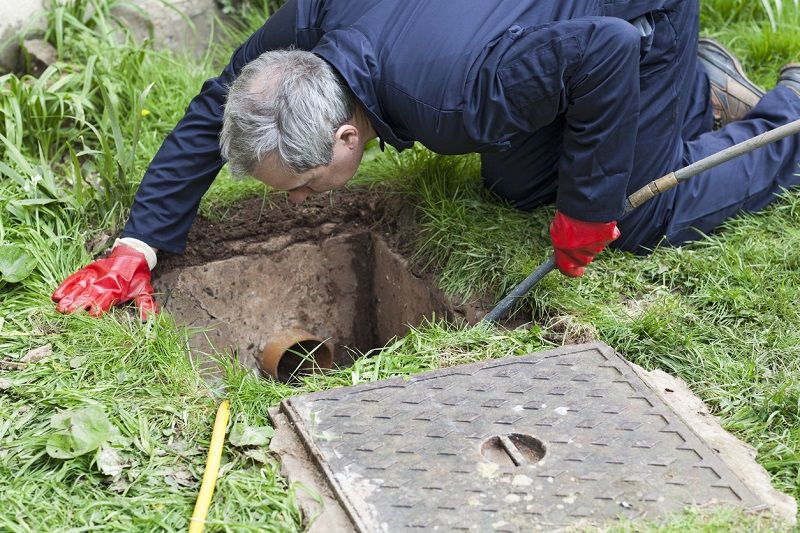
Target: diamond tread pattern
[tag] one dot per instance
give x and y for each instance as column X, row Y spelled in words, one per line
column 404, row 455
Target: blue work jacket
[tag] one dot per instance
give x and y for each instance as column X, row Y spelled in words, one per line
column 459, row 76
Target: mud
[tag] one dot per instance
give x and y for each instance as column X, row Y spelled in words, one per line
column 251, row 224
column 333, row 267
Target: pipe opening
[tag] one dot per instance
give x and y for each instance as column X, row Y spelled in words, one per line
column 301, row 359
column 293, row 353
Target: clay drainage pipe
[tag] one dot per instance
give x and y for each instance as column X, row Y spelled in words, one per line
column 294, row 352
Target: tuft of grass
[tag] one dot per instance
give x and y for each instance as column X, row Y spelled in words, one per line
column 701, row 520
column 226, row 192
column 763, row 35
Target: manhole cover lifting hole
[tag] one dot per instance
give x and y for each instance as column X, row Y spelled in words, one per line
column 515, row 449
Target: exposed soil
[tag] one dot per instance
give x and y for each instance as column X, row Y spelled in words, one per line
column 333, row 266
column 251, row 223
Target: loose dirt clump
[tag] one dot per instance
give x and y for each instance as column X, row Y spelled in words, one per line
column 564, row 329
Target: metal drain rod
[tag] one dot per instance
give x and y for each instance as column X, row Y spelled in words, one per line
column 651, row 190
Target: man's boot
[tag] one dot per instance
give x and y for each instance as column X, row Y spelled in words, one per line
column 732, row 94
column 790, row 77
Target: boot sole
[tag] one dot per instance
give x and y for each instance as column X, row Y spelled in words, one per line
column 788, row 66
column 794, row 82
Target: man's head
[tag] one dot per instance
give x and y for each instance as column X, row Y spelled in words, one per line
column 291, row 122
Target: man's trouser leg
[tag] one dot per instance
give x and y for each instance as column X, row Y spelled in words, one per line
column 699, row 205
column 746, row 184
column 674, row 131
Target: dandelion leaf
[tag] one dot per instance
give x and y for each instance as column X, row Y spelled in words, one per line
column 15, row 263
column 245, row 435
column 78, row 432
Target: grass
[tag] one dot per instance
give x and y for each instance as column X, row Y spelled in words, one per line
column 701, row 521
column 721, row 313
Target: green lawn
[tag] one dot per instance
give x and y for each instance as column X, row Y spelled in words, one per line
column 722, row 313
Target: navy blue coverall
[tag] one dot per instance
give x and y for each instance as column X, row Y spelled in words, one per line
column 573, row 101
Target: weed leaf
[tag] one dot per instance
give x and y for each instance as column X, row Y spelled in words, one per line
column 258, row 455
column 15, row 263
column 245, row 435
column 79, row 431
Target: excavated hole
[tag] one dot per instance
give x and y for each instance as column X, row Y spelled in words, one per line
column 333, row 267
column 349, row 288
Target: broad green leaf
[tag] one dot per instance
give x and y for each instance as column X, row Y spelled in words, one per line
column 15, row 263
column 78, row 432
column 244, row 435
column 258, row 455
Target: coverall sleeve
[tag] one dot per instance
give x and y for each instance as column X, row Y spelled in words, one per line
column 588, row 70
column 189, row 159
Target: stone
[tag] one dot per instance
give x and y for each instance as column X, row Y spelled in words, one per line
column 17, row 17
column 183, row 26
column 36, row 55
column 38, row 354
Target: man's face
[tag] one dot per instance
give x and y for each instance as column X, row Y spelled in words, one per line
column 347, row 154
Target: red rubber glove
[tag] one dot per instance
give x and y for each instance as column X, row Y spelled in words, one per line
column 577, row 242
column 122, row 276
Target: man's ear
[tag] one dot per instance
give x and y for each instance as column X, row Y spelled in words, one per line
column 348, row 134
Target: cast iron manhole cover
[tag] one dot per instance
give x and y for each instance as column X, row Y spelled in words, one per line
column 543, row 440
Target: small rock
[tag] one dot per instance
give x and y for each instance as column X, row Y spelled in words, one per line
column 110, row 462
column 37, row 55
column 120, row 485
column 327, row 229
column 37, row 354
column 5, row 383
column 180, row 477
column 98, row 243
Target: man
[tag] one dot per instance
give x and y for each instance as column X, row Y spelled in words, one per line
column 577, row 103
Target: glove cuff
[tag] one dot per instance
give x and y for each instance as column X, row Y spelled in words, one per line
column 143, row 248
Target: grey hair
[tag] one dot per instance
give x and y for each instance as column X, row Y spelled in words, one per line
column 287, row 102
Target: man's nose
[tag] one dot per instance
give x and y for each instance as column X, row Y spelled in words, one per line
column 299, row 196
